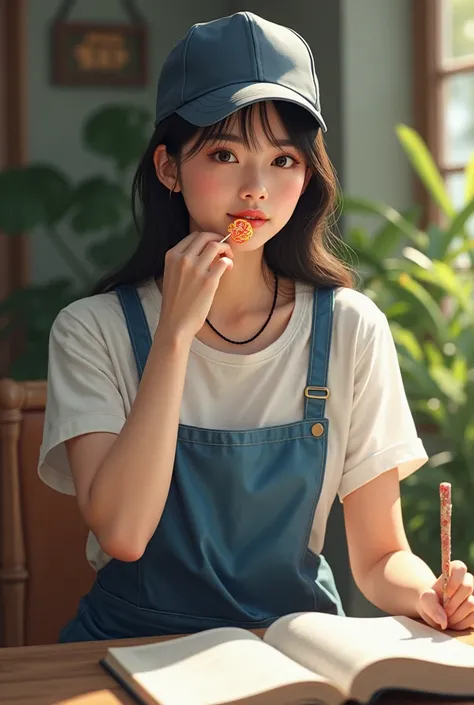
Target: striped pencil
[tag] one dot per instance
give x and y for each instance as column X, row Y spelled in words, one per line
column 445, row 512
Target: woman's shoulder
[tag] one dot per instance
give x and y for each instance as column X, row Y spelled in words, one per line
column 354, row 312
column 357, row 318
column 354, row 305
column 99, row 312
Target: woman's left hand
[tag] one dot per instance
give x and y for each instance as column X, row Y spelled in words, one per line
column 459, row 611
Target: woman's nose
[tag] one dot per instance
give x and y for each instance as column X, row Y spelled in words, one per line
column 254, row 191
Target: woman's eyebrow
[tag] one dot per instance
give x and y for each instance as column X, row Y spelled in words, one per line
column 232, row 137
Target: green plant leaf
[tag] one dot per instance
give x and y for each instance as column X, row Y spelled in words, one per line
column 466, row 247
column 444, row 277
column 417, row 258
column 98, row 203
column 365, row 258
column 396, row 310
column 32, row 196
column 433, row 355
column 435, row 350
column 424, row 165
column 460, row 370
column 456, row 228
column 54, row 190
column 357, row 238
column 439, row 242
column 37, row 302
column 407, row 339
column 112, row 251
column 451, row 387
column 363, row 206
column 425, row 413
column 429, row 311
column 12, row 302
column 423, row 385
column 17, row 214
column 464, row 343
column 119, row 132
column 390, row 235
column 33, row 309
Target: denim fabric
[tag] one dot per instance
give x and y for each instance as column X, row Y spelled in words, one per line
column 231, row 548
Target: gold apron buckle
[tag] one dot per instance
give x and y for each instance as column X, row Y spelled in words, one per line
column 324, row 392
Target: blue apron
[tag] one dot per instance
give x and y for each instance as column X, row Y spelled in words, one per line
column 231, row 548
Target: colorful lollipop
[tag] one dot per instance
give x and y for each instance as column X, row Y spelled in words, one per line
column 240, row 230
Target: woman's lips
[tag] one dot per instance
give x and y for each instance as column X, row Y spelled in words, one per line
column 254, row 222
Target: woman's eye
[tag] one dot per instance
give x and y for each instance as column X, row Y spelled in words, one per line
column 284, row 161
column 223, row 156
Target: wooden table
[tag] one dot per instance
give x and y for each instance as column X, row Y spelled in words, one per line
column 70, row 674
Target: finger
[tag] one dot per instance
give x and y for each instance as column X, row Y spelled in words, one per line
column 467, row 623
column 426, row 618
column 431, row 609
column 198, row 245
column 457, row 571
column 221, row 266
column 465, row 610
column 212, row 252
column 462, row 593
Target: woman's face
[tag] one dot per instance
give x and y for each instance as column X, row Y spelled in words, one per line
column 226, row 180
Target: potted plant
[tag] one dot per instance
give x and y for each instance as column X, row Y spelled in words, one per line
column 424, row 282
column 40, row 197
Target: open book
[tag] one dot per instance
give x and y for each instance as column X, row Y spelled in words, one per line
column 303, row 658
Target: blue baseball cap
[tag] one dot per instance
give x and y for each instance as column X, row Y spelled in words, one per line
column 229, row 63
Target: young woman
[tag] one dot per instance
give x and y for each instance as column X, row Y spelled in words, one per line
column 210, row 401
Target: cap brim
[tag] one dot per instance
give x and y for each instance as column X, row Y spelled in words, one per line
column 219, row 104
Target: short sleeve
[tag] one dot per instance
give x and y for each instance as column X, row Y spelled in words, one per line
column 82, row 395
column 382, row 431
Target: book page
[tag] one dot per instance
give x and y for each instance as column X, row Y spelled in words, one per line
column 340, row 647
column 218, row 666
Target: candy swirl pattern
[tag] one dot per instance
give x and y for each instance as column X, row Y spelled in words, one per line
column 240, row 230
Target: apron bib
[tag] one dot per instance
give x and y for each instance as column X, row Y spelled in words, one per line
column 231, row 548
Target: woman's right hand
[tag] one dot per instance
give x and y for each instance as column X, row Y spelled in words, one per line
column 193, row 269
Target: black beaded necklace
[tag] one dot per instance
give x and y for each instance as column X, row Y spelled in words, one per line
column 243, row 342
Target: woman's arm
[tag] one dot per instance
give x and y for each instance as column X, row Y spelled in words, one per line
column 385, row 569
column 122, row 482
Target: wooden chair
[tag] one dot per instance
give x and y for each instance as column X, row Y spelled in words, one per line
column 43, row 568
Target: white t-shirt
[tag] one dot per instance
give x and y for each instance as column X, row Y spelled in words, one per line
column 93, row 381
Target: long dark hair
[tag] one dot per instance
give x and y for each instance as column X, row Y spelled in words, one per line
column 304, row 250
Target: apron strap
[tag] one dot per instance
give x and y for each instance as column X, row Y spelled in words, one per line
column 137, row 325
column 316, row 391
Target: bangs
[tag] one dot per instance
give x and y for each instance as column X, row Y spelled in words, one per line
column 300, row 127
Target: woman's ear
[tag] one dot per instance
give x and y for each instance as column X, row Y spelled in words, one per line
column 307, row 179
column 166, row 169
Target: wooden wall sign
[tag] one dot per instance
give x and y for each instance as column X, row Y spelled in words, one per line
column 99, row 54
